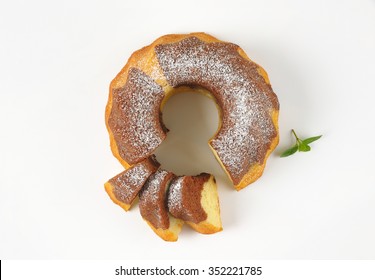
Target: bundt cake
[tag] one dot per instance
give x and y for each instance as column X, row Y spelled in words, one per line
column 248, row 129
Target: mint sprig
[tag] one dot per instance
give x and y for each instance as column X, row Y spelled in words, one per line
column 301, row 145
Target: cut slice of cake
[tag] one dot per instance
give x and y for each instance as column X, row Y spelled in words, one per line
column 195, row 200
column 124, row 187
column 153, row 206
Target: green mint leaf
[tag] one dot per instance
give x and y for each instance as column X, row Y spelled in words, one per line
column 290, row 151
column 302, row 147
column 311, row 139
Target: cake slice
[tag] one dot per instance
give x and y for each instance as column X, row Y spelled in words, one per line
column 195, row 200
column 153, row 206
column 124, row 187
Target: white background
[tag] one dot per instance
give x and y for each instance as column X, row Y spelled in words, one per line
column 57, row 59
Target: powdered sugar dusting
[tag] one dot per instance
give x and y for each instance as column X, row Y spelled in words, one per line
column 152, row 199
column 175, row 194
column 128, row 183
column 245, row 98
column 134, row 119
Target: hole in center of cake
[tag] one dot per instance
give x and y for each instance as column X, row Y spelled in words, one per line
column 192, row 119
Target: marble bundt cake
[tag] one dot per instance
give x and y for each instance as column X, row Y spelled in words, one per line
column 248, row 130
